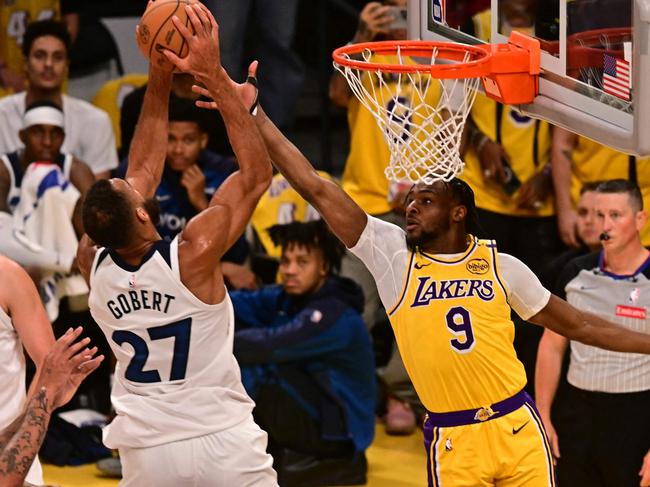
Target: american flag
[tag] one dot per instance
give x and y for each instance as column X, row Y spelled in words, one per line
column 616, row 77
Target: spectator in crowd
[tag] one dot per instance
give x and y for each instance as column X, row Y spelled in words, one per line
column 603, row 436
column 14, row 17
column 588, row 235
column 181, row 88
column 365, row 181
column 23, row 323
column 577, row 160
column 66, row 365
column 271, row 25
column 42, row 135
column 89, row 135
column 191, row 176
column 307, row 361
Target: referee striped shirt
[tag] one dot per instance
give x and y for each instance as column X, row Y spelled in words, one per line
column 624, row 300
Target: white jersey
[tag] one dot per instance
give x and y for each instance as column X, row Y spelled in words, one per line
column 88, row 131
column 13, row 166
column 176, row 377
column 12, row 392
column 382, row 248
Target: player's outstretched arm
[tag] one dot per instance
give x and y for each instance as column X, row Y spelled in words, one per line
column 560, row 317
column 149, row 145
column 66, row 365
column 232, row 205
column 346, row 219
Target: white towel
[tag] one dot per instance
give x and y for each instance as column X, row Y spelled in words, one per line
column 44, row 217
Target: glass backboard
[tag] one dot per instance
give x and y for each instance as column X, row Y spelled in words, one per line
column 594, row 58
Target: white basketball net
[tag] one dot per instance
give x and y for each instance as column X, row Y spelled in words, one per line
column 424, row 140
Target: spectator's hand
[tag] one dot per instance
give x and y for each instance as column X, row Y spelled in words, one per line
column 193, row 180
column 534, row 192
column 203, row 56
column 644, row 473
column 491, row 157
column 238, row 276
column 374, row 19
column 11, row 81
column 552, row 438
column 67, row 365
column 567, row 225
column 247, row 91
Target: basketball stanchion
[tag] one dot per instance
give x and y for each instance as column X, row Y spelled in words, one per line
column 425, row 140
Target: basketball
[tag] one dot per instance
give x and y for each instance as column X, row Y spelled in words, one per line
column 157, row 31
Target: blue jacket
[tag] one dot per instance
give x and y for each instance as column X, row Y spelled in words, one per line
column 175, row 207
column 324, row 336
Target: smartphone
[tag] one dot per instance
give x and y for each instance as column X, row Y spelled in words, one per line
column 399, row 18
column 511, row 183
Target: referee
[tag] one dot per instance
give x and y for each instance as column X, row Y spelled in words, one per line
column 604, row 431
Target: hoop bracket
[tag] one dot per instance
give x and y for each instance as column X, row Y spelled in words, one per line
column 513, row 70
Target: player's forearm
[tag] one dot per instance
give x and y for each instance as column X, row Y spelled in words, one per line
column 21, row 448
column 561, row 171
column 245, row 139
column 288, row 159
column 547, row 377
column 149, row 145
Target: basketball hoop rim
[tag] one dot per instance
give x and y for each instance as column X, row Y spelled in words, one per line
column 477, row 67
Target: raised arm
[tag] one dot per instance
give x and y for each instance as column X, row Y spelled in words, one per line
column 215, row 229
column 346, row 219
column 149, row 145
column 560, row 317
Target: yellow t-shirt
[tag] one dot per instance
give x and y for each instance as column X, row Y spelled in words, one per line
column 279, row 205
column 591, row 161
column 527, row 141
column 363, row 177
column 14, row 17
column 452, row 324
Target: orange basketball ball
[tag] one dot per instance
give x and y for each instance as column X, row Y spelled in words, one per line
column 157, row 31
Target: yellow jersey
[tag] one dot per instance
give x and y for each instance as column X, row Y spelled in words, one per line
column 526, row 140
column 14, row 17
column 452, row 324
column 591, row 161
column 279, row 205
column 363, row 176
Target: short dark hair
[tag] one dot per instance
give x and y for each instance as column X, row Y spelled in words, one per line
column 462, row 193
column 107, row 216
column 590, row 186
column 623, row 186
column 184, row 110
column 41, row 28
column 314, row 235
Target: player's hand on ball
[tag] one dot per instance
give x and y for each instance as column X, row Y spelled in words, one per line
column 247, row 91
column 203, row 57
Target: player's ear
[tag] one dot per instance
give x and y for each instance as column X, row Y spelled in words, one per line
column 141, row 214
column 459, row 213
column 204, row 140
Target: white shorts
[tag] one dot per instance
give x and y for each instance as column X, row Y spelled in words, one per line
column 233, row 457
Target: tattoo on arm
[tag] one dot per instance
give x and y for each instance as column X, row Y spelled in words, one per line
column 20, row 448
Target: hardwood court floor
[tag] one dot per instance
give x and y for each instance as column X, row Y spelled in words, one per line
column 394, row 461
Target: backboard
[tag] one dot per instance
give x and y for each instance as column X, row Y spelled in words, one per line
column 595, row 61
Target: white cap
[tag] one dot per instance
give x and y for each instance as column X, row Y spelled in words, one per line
column 43, row 115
